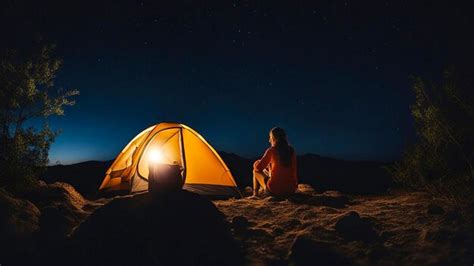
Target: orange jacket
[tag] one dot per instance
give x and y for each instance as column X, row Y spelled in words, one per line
column 283, row 180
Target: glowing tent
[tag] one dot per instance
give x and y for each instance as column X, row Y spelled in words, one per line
column 203, row 170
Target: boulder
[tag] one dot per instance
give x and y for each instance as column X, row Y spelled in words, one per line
column 306, row 251
column 61, row 208
column 19, row 223
column 19, row 218
column 180, row 228
column 352, row 227
column 46, row 195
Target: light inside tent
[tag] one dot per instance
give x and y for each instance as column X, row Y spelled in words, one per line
column 155, row 156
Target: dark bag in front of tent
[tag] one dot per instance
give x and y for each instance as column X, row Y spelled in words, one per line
column 164, row 178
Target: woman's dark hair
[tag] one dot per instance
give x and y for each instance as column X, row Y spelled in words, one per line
column 285, row 151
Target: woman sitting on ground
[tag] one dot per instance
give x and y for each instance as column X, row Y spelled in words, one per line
column 275, row 172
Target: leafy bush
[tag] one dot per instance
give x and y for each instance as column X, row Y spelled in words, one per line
column 26, row 95
column 441, row 162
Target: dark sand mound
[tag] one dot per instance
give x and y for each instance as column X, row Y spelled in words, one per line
column 178, row 229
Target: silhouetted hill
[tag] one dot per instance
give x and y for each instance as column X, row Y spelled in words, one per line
column 85, row 176
column 345, row 176
column 320, row 172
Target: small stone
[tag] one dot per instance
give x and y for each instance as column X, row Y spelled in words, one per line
column 248, row 191
column 305, row 188
column 240, row 224
column 352, row 227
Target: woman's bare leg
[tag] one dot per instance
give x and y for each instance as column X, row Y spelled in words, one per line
column 258, row 181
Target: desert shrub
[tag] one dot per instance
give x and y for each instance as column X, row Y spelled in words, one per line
column 441, row 161
column 27, row 96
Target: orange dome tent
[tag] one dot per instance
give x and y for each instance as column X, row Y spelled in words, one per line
column 203, row 170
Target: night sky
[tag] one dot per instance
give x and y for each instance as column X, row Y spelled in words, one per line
column 334, row 74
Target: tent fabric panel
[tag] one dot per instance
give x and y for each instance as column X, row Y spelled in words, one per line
column 124, row 159
column 117, row 173
column 111, row 182
column 216, row 191
column 138, row 184
column 202, row 165
column 105, row 182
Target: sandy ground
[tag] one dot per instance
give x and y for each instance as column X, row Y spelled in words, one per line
column 407, row 233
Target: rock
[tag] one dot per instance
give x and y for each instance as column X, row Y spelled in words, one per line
column 247, row 191
column 57, row 193
column 305, row 251
column 352, row 227
column 19, row 218
column 180, row 228
column 434, row 209
column 19, row 223
column 305, row 188
column 240, row 224
column 61, row 209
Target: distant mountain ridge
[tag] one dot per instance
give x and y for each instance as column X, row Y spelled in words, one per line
column 357, row 177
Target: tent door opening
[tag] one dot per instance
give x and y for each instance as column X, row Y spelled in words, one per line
column 164, row 148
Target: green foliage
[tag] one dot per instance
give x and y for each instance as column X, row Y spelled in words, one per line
column 441, row 162
column 27, row 94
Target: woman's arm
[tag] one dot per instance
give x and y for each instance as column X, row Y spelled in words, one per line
column 261, row 164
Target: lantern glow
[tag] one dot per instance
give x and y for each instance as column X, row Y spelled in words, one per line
column 155, row 156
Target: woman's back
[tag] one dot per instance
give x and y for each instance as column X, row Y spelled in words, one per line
column 283, row 178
